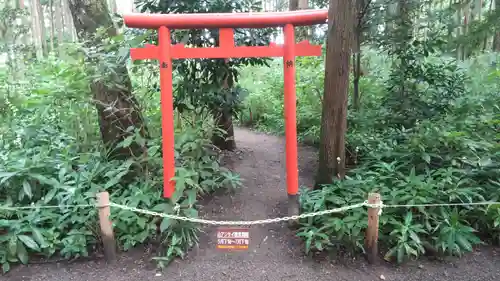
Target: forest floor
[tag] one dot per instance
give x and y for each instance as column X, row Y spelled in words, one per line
column 275, row 253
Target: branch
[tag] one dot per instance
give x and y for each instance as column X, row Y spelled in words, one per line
column 362, row 14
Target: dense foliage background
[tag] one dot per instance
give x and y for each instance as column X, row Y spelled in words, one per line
column 51, row 154
column 423, row 126
column 444, row 148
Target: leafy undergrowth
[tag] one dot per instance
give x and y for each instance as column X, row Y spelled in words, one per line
column 438, row 142
column 51, row 154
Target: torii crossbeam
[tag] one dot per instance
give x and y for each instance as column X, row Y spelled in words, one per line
column 226, row 22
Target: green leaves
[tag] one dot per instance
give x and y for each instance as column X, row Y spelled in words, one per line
column 455, row 237
column 21, row 253
column 165, row 224
column 406, row 236
column 29, row 242
column 53, row 169
column 5, row 267
column 427, row 132
column 27, row 189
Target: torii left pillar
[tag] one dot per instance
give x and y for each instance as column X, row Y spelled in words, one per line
column 165, row 52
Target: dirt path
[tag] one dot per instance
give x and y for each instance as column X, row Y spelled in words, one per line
column 275, row 253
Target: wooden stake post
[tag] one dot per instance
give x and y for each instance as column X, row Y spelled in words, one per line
column 371, row 242
column 107, row 235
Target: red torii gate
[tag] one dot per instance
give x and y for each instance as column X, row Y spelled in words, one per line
column 165, row 52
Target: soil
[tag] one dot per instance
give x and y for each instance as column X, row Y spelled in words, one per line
column 275, row 253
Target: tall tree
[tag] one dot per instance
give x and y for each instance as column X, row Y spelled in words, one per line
column 117, row 108
column 41, row 25
column 466, row 17
column 59, row 22
column 496, row 38
column 301, row 32
column 211, row 83
column 35, row 29
column 360, row 26
column 24, row 20
column 334, row 114
column 68, row 25
column 52, row 25
column 485, row 41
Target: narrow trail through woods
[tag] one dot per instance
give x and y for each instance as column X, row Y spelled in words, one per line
column 275, row 253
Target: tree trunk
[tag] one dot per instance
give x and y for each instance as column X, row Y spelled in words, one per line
column 356, row 59
column 301, row 32
column 68, row 20
column 35, row 30
column 41, row 19
column 467, row 13
column 22, row 56
column 224, row 121
column 496, row 38
column 59, row 23
column 485, row 43
column 117, row 107
column 459, row 32
column 52, row 26
column 334, row 114
column 25, row 38
column 405, row 33
column 476, row 15
column 496, row 42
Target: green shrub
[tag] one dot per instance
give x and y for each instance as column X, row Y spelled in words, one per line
column 451, row 158
column 51, row 154
column 442, row 148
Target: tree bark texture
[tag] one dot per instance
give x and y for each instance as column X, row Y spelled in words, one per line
column 301, row 32
column 68, row 25
column 35, row 30
column 224, row 121
column 356, row 57
column 334, row 113
column 496, row 38
column 496, row 42
column 52, row 26
column 467, row 13
column 59, row 23
column 41, row 19
column 485, row 42
column 356, row 60
column 116, row 106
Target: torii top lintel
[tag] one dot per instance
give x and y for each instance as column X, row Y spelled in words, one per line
column 226, row 20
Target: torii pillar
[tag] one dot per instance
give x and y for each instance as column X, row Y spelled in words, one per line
column 165, row 52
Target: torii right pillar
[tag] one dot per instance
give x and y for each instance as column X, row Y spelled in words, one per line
column 290, row 104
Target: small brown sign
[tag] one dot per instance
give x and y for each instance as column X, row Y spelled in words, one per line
column 233, row 238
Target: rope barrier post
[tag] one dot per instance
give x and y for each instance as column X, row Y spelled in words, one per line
column 371, row 241
column 107, row 235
